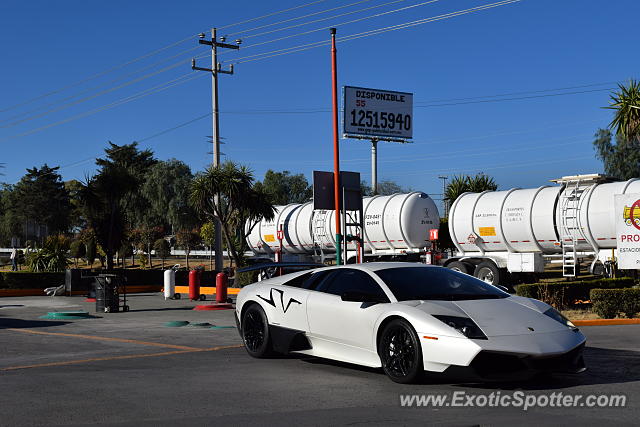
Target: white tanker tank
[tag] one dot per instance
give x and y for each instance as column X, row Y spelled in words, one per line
column 393, row 225
column 518, row 230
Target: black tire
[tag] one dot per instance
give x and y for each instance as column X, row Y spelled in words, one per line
column 400, row 352
column 488, row 272
column 125, row 308
column 177, row 296
column 255, row 332
column 203, row 297
column 460, row 266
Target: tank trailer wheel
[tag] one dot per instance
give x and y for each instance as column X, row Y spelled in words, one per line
column 488, row 272
column 460, row 266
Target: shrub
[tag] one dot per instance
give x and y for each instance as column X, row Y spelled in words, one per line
column 608, row 303
column 561, row 294
column 245, row 278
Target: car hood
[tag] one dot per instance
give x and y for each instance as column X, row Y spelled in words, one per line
column 497, row 317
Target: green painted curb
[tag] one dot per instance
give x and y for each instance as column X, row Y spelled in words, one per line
column 67, row 315
column 176, row 324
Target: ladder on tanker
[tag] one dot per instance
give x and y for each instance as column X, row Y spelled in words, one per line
column 319, row 233
column 570, row 226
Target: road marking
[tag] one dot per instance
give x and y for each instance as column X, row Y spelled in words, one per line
column 97, row 338
column 109, row 358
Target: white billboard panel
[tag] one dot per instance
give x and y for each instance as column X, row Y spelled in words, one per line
column 627, row 211
column 375, row 112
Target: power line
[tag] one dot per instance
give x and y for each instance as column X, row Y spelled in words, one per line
column 180, row 80
column 323, row 19
column 87, row 98
column 307, row 46
column 100, row 74
column 91, row 89
column 271, row 14
column 144, row 56
column 243, row 35
column 331, row 26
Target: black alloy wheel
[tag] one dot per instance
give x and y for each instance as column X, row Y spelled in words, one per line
column 255, row 332
column 400, row 352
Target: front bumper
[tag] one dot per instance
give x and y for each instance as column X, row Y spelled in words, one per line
column 506, row 357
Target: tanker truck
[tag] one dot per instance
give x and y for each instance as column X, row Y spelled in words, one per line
column 395, row 227
column 500, row 234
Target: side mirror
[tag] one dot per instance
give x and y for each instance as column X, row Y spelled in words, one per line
column 353, row 296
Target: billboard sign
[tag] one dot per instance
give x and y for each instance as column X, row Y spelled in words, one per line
column 377, row 113
column 627, row 211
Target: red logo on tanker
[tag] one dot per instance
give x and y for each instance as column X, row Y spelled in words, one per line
column 632, row 214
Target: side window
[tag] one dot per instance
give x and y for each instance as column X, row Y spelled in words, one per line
column 314, row 280
column 348, row 280
column 299, row 281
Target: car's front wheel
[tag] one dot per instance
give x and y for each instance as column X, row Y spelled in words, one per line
column 400, row 352
column 255, row 332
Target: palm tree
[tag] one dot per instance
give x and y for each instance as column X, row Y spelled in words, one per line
column 466, row 183
column 626, row 103
column 226, row 193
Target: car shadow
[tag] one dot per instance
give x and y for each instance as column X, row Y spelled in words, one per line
column 162, row 309
column 11, row 305
column 604, row 366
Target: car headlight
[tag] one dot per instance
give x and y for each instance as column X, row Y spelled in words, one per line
column 464, row 325
column 558, row 317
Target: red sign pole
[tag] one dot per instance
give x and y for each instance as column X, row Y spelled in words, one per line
column 336, row 146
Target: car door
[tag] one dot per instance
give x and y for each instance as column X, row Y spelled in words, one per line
column 340, row 329
column 286, row 304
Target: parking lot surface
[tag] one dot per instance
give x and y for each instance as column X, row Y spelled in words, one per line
column 132, row 369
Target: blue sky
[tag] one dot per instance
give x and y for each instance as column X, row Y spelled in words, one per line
column 274, row 111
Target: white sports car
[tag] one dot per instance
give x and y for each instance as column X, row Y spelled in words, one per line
column 407, row 318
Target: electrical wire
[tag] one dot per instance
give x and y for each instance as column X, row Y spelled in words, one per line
column 141, row 57
column 322, row 19
column 91, row 89
column 242, row 34
column 307, row 46
column 271, row 14
column 161, row 87
column 87, row 98
column 324, row 42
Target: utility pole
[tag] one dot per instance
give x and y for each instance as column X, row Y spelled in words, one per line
column 444, row 186
column 374, row 166
column 214, row 70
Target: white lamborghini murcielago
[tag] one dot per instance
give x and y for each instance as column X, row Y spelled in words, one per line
column 407, row 318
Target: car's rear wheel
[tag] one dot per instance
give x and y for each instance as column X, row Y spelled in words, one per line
column 400, row 352
column 255, row 332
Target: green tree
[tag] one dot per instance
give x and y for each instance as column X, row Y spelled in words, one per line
column 208, row 235
column 283, row 188
column 77, row 250
column 136, row 163
column 620, row 160
column 91, row 252
column 187, row 239
column 385, row 188
column 626, row 103
column 166, row 189
column 102, row 201
column 238, row 202
column 162, row 249
column 41, row 198
column 466, row 183
column 52, row 257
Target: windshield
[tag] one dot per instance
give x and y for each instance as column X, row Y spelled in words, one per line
column 431, row 283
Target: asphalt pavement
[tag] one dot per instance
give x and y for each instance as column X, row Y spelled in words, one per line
column 132, row 369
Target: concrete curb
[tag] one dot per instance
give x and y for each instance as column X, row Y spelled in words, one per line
column 603, row 322
column 40, row 292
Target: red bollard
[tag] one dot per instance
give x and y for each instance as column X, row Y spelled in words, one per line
column 221, row 287
column 194, row 285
